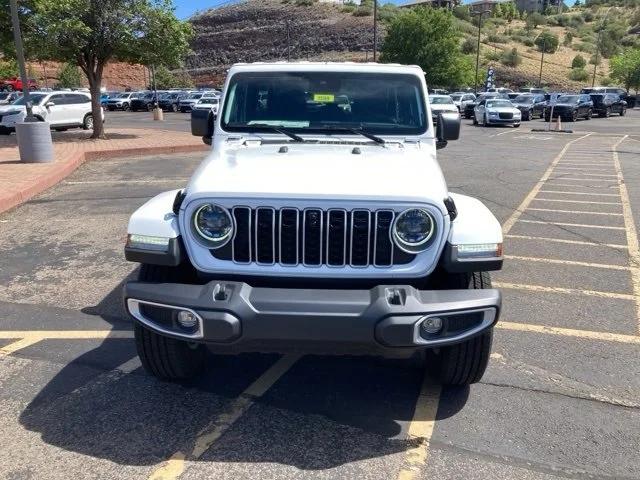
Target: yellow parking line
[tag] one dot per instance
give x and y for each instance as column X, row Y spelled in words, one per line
column 574, row 185
column 66, row 334
column 421, row 429
column 570, row 332
column 572, row 224
column 17, row 345
column 570, row 291
column 574, row 211
column 567, row 262
column 174, row 466
column 508, row 225
column 575, row 201
column 562, row 240
column 581, row 193
column 632, row 235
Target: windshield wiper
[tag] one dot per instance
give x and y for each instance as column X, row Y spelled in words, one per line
column 358, row 131
column 273, row 128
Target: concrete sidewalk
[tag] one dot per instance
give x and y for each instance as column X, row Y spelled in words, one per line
column 21, row 181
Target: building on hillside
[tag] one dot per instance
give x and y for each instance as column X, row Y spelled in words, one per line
column 430, row 3
column 485, row 5
column 535, row 5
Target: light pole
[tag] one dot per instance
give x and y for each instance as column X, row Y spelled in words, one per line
column 375, row 29
column 544, row 47
column 17, row 37
column 480, row 14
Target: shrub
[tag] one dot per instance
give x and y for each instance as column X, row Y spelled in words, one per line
column 363, row 12
column 568, row 39
column 578, row 62
column 588, row 16
column 492, row 56
column 595, row 59
column 605, row 81
column 470, row 45
column 547, row 41
column 462, row 12
column 511, row 58
column 528, row 42
column 585, row 47
column 303, row 3
column 578, row 74
column 495, row 38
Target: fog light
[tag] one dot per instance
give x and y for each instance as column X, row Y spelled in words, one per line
column 431, row 325
column 187, row 319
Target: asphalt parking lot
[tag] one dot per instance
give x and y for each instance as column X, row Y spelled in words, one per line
column 561, row 397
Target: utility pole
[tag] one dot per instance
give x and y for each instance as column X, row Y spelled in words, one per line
column 544, row 47
column 375, row 29
column 480, row 14
column 17, row 38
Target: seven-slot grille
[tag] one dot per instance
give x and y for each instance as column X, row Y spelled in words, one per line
column 506, row 115
column 313, row 237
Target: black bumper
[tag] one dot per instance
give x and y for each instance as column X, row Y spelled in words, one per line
column 234, row 313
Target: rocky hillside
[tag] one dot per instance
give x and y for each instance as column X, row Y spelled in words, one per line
column 117, row 76
column 256, row 30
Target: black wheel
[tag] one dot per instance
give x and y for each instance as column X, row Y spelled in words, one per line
column 149, row 107
column 516, row 125
column 87, row 122
column 623, row 112
column 529, row 115
column 589, row 114
column 174, row 107
column 125, row 107
column 574, row 116
column 463, row 363
column 607, row 112
column 475, row 122
column 164, row 357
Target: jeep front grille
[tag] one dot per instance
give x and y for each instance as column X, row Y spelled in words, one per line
column 313, row 237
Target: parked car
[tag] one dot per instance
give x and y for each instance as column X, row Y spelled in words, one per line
column 62, row 110
column 570, row 108
column 604, row 104
column 121, row 101
column 498, row 90
column 460, row 99
column 171, row 101
column 513, row 95
column 470, row 106
column 533, row 90
column 496, row 111
column 630, row 99
column 208, row 103
column 145, row 101
column 530, row 105
column 187, row 103
column 9, row 97
column 440, row 104
column 15, row 83
column 269, row 250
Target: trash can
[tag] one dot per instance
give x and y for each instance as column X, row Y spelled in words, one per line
column 158, row 114
column 34, row 142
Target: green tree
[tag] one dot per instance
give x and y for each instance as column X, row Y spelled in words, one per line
column 497, row 11
column 511, row 58
column 534, row 20
column 547, row 41
column 625, row 68
column 428, row 37
column 578, row 62
column 8, row 68
column 69, row 76
column 165, row 79
column 90, row 33
column 470, row 45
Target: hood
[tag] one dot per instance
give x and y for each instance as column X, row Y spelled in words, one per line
column 10, row 108
column 503, row 109
column 443, row 108
column 394, row 172
column 566, row 105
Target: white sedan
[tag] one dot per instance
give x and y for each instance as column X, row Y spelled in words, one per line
column 496, row 111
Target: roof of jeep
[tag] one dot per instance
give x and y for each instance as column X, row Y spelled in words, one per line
column 282, row 66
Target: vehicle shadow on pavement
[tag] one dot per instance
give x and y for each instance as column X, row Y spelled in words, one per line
column 305, row 420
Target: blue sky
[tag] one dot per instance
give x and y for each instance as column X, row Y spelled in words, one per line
column 185, row 8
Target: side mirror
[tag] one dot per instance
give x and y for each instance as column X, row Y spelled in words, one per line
column 50, row 104
column 202, row 124
column 448, row 128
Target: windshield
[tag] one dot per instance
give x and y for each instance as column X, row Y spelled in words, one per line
column 498, row 103
column 195, row 96
column 440, row 100
column 455, row 98
column 524, row 99
column 36, row 99
column 318, row 101
column 568, row 99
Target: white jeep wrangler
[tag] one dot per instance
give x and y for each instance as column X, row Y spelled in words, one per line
column 320, row 222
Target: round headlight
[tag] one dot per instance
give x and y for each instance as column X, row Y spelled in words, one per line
column 214, row 224
column 412, row 230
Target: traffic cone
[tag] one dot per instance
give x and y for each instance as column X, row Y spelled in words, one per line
column 559, row 123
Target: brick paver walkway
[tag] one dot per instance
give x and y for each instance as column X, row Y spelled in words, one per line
column 21, row 181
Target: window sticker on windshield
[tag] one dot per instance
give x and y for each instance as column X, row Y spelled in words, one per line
column 324, row 97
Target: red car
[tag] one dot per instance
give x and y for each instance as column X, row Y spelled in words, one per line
column 15, row 83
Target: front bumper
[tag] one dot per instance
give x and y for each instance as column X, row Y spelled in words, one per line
column 503, row 121
column 384, row 317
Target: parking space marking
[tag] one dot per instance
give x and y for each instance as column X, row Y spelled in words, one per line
column 571, row 179
column 575, row 201
column 508, row 225
column 562, row 240
column 574, row 185
column 174, row 466
column 573, row 211
column 567, row 262
column 581, row 193
column 569, row 291
column 570, row 332
column 18, row 345
column 591, row 175
column 562, row 224
column 581, row 169
column 632, row 234
column 421, row 429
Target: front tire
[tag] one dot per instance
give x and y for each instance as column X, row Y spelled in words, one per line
column 466, row 362
column 87, row 122
column 164, row 357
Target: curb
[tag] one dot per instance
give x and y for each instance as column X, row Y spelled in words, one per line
column 66, row 168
